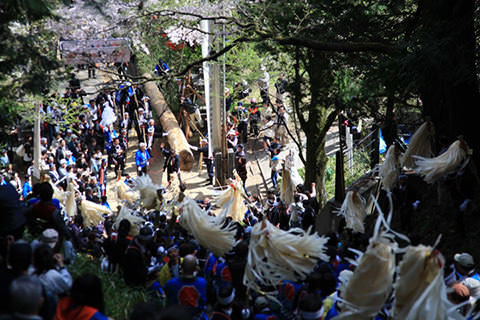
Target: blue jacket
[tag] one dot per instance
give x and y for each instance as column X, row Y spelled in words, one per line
column 141, row 158
column 187, row 292
column 27, row 188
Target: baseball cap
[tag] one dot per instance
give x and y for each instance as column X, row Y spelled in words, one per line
column 50, row 237
column 226, row 295
column 464, row 259
column 146, row 233
column 261, row 303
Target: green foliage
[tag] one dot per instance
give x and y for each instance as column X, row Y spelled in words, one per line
column 119, row 298
column 361, row 165
column 301, row 172
column 176, row 56
column 24, row 11
column 26, row 53
column 26, row 57
column 348, row 85
column 330, row 178
column 243, row 62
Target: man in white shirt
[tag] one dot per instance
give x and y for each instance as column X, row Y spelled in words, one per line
column 263, row 83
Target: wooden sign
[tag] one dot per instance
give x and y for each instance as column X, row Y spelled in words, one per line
column 75, row 52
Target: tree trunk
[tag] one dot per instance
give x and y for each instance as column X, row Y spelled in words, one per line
column 321, row 80
column 176, row 138
column 449, row 86
column 389, row 127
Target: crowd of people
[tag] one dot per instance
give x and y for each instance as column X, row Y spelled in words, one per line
column 183, row 279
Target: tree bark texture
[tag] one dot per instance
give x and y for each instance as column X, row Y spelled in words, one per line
column 449, row 85
column 321, row 79
column 176, row 138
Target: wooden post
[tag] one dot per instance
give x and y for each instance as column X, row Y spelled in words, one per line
column 339, row 177
column 36, row 147
column 349, row 143
column 375, row 154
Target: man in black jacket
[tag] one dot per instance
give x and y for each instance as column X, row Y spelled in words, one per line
column 172, row 163
column 12, row 213
column 137, row 258
column 281, row 87
column 117, row 157
column 206, row 158
column 241, row 164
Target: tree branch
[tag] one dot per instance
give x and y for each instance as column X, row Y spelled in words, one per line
column 328, row 123
column 299, row 145
column 338, row 46
column 212, row 56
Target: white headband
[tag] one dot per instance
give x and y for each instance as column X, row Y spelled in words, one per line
column 312, row 315
column 227, row 300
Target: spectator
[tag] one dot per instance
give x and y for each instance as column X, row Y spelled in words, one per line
column 263, row 84
column 12, row 213
column 51, row 271
column 241, row 165
column 4, row 160
column 281, row 87
column 188, row 290
column 19, row 260
column 142, row 158
column 85, row 301
column 137, row 258
column 262, row 309
column 26, row 298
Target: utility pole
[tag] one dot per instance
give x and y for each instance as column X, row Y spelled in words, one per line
column 36, row 147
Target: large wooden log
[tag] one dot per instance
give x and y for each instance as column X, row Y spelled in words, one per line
column 176, row 138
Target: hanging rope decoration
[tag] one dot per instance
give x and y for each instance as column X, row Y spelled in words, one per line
column 205, row 229
column 420, row 145
column 366, row 292
column 390, row 168
column 232, row 201
column 354, row 211
column 92, row 213
column 420, row 292
column 432, row 169
column 135, row 221
column 126, row 193
column 148, row 191
column 70, row 202
column 275, row 255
